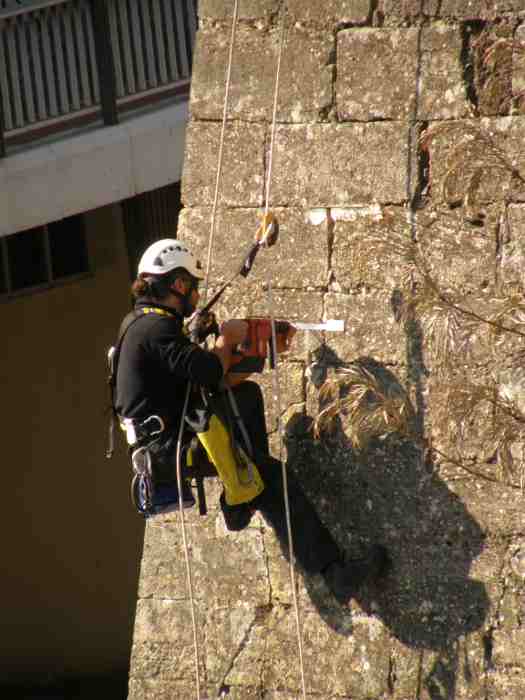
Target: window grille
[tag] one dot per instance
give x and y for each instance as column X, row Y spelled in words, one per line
column 43, row 257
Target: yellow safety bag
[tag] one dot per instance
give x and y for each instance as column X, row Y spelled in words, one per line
column 239, row 475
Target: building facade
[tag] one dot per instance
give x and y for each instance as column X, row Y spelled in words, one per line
column 93, row 108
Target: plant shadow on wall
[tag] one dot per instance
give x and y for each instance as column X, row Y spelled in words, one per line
column 370, row 489
column 375, row 473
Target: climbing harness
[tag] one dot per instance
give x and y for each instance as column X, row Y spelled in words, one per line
column 113, row 355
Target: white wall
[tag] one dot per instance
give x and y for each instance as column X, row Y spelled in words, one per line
column 89, row 170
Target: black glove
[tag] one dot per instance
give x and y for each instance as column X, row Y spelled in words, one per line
column 206, row 325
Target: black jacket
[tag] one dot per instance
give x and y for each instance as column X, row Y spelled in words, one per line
column 155, row 364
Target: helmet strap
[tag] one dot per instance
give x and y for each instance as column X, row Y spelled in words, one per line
column 187, row 307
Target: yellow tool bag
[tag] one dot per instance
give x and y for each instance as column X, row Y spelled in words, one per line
column 237, row 471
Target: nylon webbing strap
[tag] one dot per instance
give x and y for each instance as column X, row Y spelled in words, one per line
column 126, row 324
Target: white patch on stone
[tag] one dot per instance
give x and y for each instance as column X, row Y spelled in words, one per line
column 353, row 213
column 316, row 217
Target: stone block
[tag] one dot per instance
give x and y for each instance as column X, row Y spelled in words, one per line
column 459, row 255
column 406, row 11
column 508, row 647
column 326, row 653
column 475, row 163
column 495, row 507
column 217, row 557
column 491, row 55
column 366, row 248
column 443, row 94
column 479, row 9
column 339, row 165
column 508, row 683
column 460, row 430
column 279, row 571
column 518, row 69
column 290, row 391
column 299, row 259
column 251, row 300
column 512, row 259
column 163, row 648
column 243, row 165
column 376, row 73
column 330, row 12
column 248, row 9
column 153, row 689
column 305, row 84
column 371, row 329
column 457, row 669
column 235, row 645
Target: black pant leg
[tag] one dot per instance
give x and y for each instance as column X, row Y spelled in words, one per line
column 250, row 401
column 314, row 546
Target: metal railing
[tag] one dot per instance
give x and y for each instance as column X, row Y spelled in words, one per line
column 64, row 59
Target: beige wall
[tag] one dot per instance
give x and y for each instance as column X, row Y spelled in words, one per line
column 71, row 541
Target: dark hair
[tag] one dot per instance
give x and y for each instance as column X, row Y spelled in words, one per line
column 159, row 286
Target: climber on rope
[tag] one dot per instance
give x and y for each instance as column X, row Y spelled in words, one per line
column 162, row 378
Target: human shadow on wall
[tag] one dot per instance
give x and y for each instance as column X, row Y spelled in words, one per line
column 392, row 494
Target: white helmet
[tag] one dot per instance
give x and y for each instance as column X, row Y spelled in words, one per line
column 166, row 255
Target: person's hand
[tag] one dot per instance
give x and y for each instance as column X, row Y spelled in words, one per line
column 234, row 332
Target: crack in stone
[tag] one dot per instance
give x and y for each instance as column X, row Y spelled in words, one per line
column 501, row 236
column 374, row 6
column 422, row 184
column 267, row 563
column 412, row 146
column 469, row 30
column 242, row 645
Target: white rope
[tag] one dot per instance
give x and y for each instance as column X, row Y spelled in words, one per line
column 188, row 391
column 185, row 541
column 276, row 379
column 221, row 147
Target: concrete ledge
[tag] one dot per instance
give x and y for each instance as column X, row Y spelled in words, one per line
column 91, row 170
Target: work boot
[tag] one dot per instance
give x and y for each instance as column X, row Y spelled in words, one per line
column 237, row 517
column 344, row 579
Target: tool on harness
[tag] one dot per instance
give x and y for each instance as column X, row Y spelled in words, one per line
column 213, row 424
column 251, row 355
column 153, row 487
column 265, row 236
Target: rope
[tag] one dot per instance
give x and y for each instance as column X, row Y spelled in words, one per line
column 181, row 428
column 276, row 379
column 185, row 541
column 221, row 147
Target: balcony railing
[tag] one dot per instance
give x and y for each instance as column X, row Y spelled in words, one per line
column 69, row 61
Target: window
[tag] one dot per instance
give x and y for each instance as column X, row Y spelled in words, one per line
column 43, row 256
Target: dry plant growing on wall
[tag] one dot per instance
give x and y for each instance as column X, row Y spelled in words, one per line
column 451, row 321
column 368, row 402
column 493, row 52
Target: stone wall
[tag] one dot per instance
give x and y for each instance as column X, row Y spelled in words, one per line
column 398, row 180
